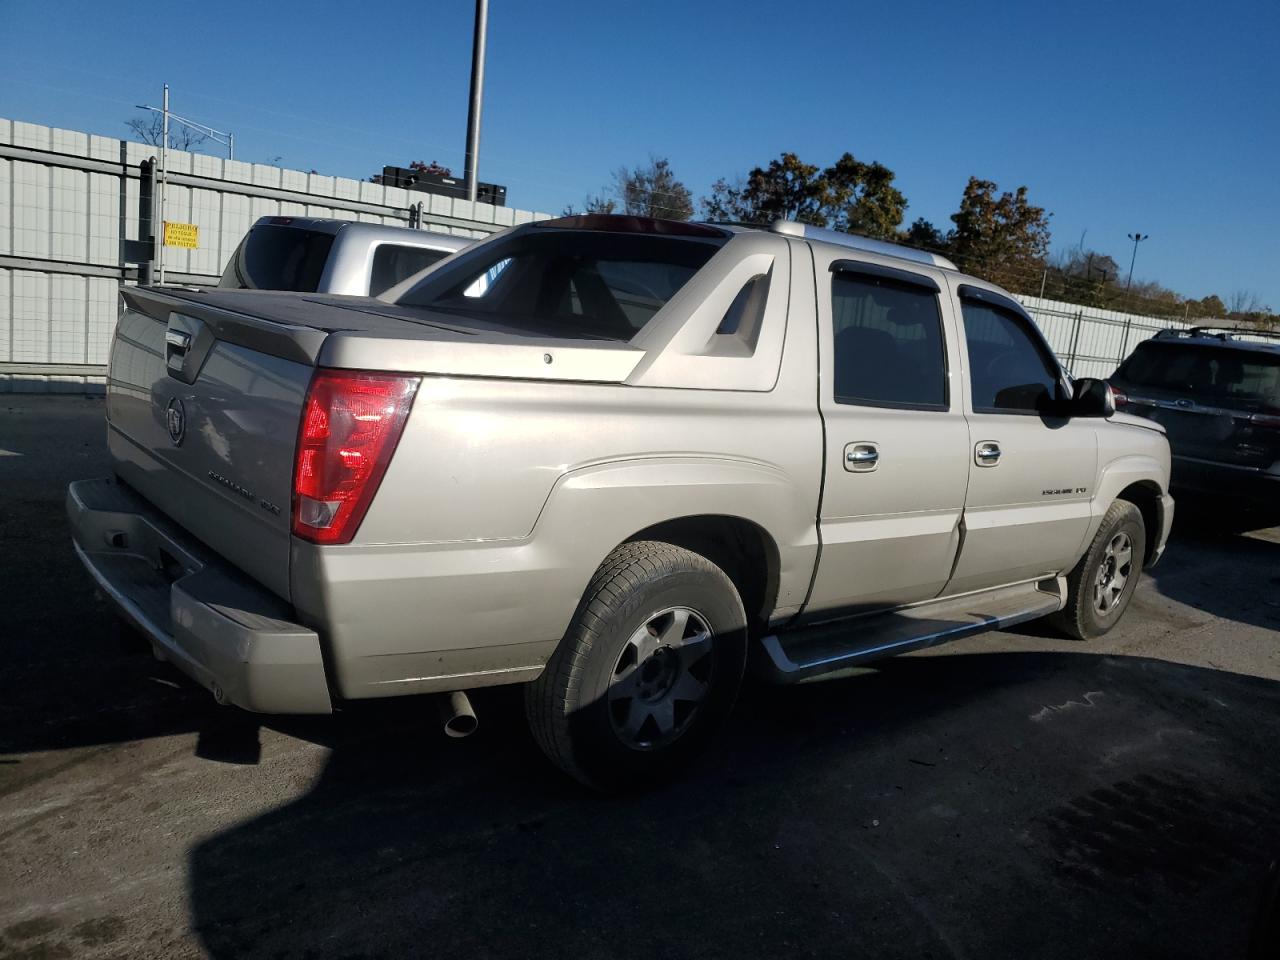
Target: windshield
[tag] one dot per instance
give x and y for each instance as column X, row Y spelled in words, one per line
column 567, row 283
column 1225, row 376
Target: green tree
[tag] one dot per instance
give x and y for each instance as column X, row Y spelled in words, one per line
column 653, row 191
column 787, row 189
column 849, row 195
column 589, row 206
column 925, row 236
column 1002, row 238
column 861, row 198
column 1210, row 306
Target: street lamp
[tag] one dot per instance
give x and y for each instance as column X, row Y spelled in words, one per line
column 220, row 136
column 1137, row 238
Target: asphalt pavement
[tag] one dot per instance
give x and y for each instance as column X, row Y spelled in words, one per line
column 1012, row 795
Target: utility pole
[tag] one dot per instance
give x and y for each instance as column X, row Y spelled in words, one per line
column 164, row 180
column 472, row 160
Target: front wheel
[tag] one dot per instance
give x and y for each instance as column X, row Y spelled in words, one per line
column 1101, row 585
column 648, row 671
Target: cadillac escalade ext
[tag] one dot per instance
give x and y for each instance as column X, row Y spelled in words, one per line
column 614, row 460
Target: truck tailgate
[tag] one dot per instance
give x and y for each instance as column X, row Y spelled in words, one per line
column 206, row 389
column 216, row 453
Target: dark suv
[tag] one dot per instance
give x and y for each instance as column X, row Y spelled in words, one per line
column 1216, row 391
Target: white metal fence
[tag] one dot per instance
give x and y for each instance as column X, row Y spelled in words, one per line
column 73, row 208
column 72, row 212
column 1090, row 341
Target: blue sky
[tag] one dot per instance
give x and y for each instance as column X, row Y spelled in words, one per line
column 1162, row 117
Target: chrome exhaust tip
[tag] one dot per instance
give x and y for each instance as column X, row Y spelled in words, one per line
column 457, row 714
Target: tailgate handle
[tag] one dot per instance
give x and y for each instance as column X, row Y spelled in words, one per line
column 176, row 342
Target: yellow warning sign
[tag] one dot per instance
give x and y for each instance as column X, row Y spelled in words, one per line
column 181, row 235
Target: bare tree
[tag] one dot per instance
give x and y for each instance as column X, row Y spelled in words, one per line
column 1244, row 301
column 149, row 128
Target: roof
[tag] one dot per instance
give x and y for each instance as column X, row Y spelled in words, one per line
column 791, row 228
column 1246, row 338
column 367, row 231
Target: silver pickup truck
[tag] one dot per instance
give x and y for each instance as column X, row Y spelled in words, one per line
column 312, row 255
column 613, row 459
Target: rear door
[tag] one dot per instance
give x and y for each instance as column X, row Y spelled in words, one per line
column 896, row 439
column 1031, row 475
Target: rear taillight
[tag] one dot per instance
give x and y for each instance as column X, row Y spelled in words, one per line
column 351, row 423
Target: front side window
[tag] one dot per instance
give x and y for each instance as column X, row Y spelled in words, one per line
column 1009, row 371
column 394, row 262
column 888, row 346
column 591, row 284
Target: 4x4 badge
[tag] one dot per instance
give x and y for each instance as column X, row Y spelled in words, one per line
column 175, row 421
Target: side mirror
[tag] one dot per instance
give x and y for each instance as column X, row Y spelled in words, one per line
column 1092, row 398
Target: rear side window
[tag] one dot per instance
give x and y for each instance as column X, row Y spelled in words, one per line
column 1009, row 370
column 278, row 258
column 1224, row 375
column 888, row 346
column 567, row 283
column 393, row 262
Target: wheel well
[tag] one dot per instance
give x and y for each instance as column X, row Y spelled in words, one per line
column 1145, row 495
column 742, row 549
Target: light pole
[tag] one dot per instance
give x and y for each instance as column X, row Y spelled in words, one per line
column 472, row 160
column 219, row 136
column 1137, row 238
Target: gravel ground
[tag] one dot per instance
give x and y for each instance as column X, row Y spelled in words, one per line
column 1013, row 795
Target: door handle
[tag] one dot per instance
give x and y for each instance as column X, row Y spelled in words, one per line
column 861, row 457
column 986, row 453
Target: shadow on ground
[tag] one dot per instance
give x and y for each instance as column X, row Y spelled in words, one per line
column 989, row 805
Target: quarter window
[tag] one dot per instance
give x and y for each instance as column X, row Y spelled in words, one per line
column 888, row 346
column 394, row 262
column 1009, row 370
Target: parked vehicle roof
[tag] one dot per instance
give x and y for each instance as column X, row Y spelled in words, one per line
column 354, row 229
column 1248, row 338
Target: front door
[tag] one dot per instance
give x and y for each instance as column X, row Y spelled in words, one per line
column 896, row 438
column 1031, row 474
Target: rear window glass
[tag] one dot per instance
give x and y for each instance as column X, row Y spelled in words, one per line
column 567, row 283
column 393, row 262
column 278, row 258
column 1225, row 375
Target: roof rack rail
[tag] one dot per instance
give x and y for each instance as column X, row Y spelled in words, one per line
column 1217, row 333
column 791, row 228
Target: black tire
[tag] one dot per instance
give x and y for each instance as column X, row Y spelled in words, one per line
column 575, row 708
column 1082, row 617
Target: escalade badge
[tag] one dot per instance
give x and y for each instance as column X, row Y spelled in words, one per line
column 175, row 421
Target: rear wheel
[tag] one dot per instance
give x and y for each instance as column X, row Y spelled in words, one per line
column 1101, row 585
column 648, row 671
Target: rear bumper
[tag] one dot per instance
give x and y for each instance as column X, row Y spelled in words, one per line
column 226, row 632
column 1238, row 486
